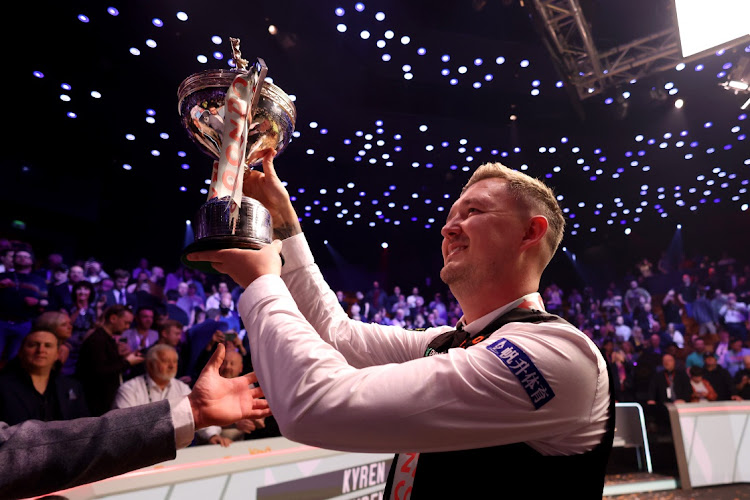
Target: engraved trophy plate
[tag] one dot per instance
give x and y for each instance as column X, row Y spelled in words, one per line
column 209, row 104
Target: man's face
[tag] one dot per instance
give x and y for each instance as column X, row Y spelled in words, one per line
column 223, row 288
column 710, row 363
column 39, row 350
column 22, row 260
column 226, row 300
column 668, row 362
column 60, row 276
column 655, row 340
column 121, row 283
column 7, row 259
column 736, row 345
column 164, row 367
column 232, row 366
column 64, row 327
column 106, row 285
column 146, row 318
column 482, row 235
column 182, row 289
column 700, row 346
column 121, row 323
column 172, row 335
column 76, row 274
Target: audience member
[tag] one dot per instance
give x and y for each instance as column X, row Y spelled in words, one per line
column 734, row 315
column 57, row 322
column 719, row 378
column 742, row 379
column 174, row 311
column 702, row 389
column 159, row 383
column 119, row 294
column 142, row 336
column 32, row 389
column 23, row 295
column 734, row 357
column 101, row 364
column 697, row 357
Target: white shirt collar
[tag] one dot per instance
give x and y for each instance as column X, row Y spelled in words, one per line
column 477, row 325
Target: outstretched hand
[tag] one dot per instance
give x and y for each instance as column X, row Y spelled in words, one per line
column 216, row 400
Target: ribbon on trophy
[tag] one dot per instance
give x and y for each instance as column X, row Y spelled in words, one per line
column 228, row 173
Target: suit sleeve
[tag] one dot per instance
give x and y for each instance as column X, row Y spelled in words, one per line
column 42, row 457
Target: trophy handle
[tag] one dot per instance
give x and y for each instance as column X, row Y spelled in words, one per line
column 262, row 70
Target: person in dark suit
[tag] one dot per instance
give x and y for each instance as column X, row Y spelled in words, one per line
column 43, row 457
column 119, row 293
column 101, row 362
column 32, row 389
column 668, row 385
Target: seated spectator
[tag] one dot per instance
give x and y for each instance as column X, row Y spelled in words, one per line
column 553, row 299
column 622, row 330
column 697, row 357
column 734, row 358
column 142, row 335
column 742, row 379
column 622, row 371
column 635, row 297
column 159, row 383
column 231, row 341
column 60, row 325
column 31, row 388
column 101, row 363
column 669, row 384
column 93, row 271
column 213, row 301
column 119, row 293
column 83, row 316
column 702, row 389
column 23, row 294
column 58, row 290
column 703, row 314
column 246, row 428
column 672, row 309
column 672, row 335
column 174, row 311
column 227, row 314
column 172, row 333
column 191, row 299
column 231, row 368
column 719, row 378
column 734, row 315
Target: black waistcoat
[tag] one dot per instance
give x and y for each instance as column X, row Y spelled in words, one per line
column 513, row 470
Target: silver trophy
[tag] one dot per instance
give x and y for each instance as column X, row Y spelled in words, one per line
column 234, row 116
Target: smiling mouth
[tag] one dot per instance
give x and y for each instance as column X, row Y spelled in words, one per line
column 454, row 251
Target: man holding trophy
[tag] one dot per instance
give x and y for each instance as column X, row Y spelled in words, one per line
column 512, row 387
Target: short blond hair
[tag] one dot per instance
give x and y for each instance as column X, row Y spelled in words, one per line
column 531, row 193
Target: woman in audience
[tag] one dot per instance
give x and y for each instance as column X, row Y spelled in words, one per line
column 83, row 317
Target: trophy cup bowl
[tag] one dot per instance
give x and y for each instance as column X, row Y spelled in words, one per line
column 201, row 97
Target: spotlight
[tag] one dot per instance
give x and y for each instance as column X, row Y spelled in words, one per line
column 679, row 103
column 513, row 118
column 272, row 29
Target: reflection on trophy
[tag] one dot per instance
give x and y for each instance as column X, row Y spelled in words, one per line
column 234, row 116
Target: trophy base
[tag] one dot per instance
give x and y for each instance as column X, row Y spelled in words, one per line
column 210, row 244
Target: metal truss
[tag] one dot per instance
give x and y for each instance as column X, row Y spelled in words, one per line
column 569, row 39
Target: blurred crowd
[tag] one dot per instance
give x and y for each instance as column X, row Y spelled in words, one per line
column 77, row 339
